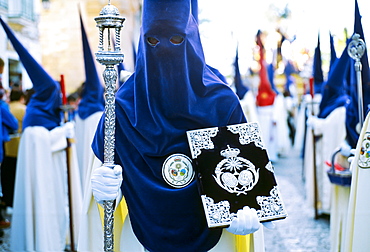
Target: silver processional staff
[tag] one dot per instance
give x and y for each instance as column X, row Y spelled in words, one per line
column 108, row 19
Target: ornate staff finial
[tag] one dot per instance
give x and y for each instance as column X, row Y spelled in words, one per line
column 356, row 49
column 108, row 19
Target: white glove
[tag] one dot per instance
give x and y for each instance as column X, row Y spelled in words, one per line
column 124, row 75
column 245, row 223
column 345, row 149
column 106, row 183
column 311, row 121
column 358, row 128
column 350, row 159
column 69, row 129
column 315, row 123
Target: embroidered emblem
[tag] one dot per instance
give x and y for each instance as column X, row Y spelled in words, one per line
column 235, row 174
column 177, row 170
column 364, row 157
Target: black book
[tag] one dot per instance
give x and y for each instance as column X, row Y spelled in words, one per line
column 233, row 170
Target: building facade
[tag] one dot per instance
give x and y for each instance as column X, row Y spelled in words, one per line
column 60, row 36
column 51, row 32
column 22, row 16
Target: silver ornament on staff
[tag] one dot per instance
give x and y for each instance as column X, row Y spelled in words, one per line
column 356, row 48
column 109, row 19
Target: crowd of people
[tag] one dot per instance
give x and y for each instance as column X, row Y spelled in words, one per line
column 13, row 103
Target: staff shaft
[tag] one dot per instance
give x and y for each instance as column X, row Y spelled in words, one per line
column 110, row 78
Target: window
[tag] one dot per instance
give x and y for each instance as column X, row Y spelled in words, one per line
column 21, row 9
column 4, row 4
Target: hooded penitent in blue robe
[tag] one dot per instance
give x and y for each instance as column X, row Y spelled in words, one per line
column 171, row 91
column 92, row 97
column 44, row 107
column 334, row 91
column 39, row 216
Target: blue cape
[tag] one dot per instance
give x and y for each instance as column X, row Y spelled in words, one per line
column 171, row 91
column 44, row 107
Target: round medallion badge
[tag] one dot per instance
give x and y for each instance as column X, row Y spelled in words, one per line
column 177, row 170
column 364, row 156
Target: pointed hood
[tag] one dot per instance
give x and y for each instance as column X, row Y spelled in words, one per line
column 265, row 95
column 318, row 76
column 92, row 97
column 333, row 54
column 171, row 91
column 194, row 10
column 240, row 88
column 44, row 107
column 334, row 91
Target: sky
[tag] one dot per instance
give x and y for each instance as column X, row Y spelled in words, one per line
column 226, row 24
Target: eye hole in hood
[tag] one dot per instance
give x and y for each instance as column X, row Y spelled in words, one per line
column 152, row 41
column 177, row 40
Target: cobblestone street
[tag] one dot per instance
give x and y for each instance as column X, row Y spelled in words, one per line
column 299, row 232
